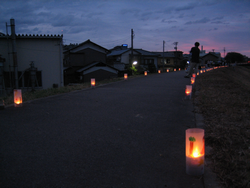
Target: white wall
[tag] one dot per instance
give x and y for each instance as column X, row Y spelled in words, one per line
column 45, row 52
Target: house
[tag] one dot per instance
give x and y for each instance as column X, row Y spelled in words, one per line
column 121, row 58
column 84, row 54
column 97, row 70
column 171, row 59
column 211, row 58
column 86, row 60
column 37, row 54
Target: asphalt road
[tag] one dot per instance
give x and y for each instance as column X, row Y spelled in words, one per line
column 125, row 134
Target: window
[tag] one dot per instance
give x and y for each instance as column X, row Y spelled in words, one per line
column 148, row 61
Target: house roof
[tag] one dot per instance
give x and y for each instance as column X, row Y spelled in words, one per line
column 97, row 63
column 140, row 51
column 118, row 52
column 86, row 42
column 217, row 55
column 146, row 53
column 19, row 36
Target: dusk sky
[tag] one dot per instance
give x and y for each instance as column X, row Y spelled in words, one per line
column 214, row 23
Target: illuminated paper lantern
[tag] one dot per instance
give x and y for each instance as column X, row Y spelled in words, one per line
column 92, row 82
column 167, row 70
column 201, row 71
column 145, row 73
column 18, row 97
column 188, row 90
column 197, row 73
column 174, row 69
column 195, row 151
column 194, row 75
column 125, row 76
column 192, row 80
column 159, row 71
column 179, row 69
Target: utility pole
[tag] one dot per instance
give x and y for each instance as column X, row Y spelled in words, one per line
column 13, row 38
column 175, row 43
column 163, row 55
column 132, row 53
column 224, row 51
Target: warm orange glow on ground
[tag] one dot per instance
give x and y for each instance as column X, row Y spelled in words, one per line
column 188, row 90
column 192, row 80
column 92, row 82
column 125, row 76
column 17, row 102
column 18, row 96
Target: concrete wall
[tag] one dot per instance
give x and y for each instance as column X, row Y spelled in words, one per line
column 46, row 52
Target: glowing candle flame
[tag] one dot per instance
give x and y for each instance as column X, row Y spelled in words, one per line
column 195, row 153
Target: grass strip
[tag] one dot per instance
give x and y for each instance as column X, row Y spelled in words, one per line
column 223, row 98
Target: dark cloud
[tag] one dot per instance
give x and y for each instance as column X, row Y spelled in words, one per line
column 60, row 20
column 168, row 21
column 218, row 18
column 202, row 21
column 36, row 30
column 219, row 22
column 214, row 29
column 94, row 14
column 129, row 11
column 186, row 7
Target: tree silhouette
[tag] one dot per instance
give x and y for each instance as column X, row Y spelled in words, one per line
column 233, row 57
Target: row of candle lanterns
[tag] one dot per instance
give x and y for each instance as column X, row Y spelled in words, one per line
column 18, row 92
column 195, row 139
column 168, row 70
column 195, row 143
column 188, row 90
